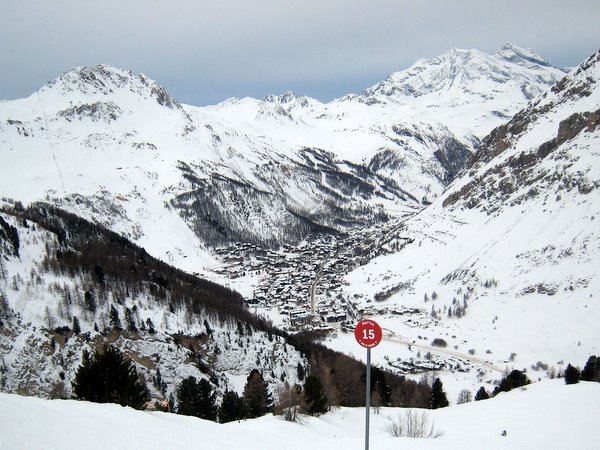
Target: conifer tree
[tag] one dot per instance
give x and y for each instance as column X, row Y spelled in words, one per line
column 300, row 371
column 437, row 398
column 108, row 376
column 513, row 380
column 257, row 398
column 572, row 375
column 196, row 399
column 591, row 371
column 314, row 396
column 129, row 320
column 113, row 314
column 76, row 326
column 232, row 407
column 482, row 394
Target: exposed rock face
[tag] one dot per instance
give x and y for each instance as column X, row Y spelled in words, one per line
column 97, row 111
column 503, row 164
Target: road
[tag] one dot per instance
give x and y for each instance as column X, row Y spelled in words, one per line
column 485, row 363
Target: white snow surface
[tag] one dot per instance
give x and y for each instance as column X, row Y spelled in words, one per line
column 526, row 261
column 549, row 415
column 108, row 145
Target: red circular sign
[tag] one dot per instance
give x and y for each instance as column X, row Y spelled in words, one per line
column 368, row 333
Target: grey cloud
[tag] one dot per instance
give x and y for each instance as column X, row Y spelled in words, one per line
column 204, row 52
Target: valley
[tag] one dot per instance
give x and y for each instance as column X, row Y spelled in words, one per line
column 457, row 212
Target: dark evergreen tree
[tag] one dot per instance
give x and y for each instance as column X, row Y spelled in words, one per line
column 186, row 397
column 129, row 320
column 209, row 330
column 591, row 371
column 150, row 326
column 572, row 375
column 196, row 399
column 300, row 372
column 99, row 275
column 232, row 407
column 5, row 311
column 90, row 303
column 257, row 398
column 158, row 382
column 76, row 326
column 437, row 398
column 513, row 380
column 208, row 402
column 482, row 394
column 314, row 396
column 108, row 376
column 380, row 388
column 113, row 317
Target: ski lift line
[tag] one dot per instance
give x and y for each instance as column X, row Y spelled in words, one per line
column 60, row 177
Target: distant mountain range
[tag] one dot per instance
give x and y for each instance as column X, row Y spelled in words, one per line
column 116, row 148
column 477, row 174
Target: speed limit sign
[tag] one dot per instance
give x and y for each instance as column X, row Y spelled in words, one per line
column 368, row 333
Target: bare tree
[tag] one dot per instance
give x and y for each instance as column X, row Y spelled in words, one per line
column 413, row 424
column 464, row 396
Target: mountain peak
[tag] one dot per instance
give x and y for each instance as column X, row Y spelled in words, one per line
column 289, row 98
column 521, row 55
column 103, row 80
column 464, row 72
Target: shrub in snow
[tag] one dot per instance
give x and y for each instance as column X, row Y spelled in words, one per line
column 439, row 342
column 412, row 424
column 289, row 402
column 464, row 396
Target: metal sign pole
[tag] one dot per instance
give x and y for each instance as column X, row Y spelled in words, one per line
column 368, row 334
column 368, row 399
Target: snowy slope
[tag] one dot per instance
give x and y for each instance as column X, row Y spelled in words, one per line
column 547, row 415
column 513, row 245
column 117, row 148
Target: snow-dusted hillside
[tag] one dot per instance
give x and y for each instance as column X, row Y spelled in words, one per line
column 546, row 415
column 118, row 149
column 50, row 313
column 501, row 266
column 505, row 264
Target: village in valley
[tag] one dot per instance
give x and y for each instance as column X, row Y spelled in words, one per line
column 304, row 282
column 304, row 285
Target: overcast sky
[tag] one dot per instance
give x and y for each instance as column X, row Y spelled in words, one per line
column 204, row 52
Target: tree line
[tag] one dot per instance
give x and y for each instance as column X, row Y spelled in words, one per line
column 109, row 376
column 115, row 268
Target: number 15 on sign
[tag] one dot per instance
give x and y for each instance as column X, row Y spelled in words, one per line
column 368, row 333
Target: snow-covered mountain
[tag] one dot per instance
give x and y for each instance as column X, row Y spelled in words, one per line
column 503, row 242
column 118, row 149
column 505, row 262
